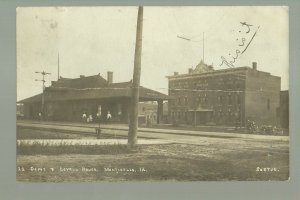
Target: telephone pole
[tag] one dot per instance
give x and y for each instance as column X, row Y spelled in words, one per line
column 58, row 66
column 133, row 123
column 43, row 95
column 203, row 47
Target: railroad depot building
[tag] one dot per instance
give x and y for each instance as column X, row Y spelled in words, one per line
column 224, row 97
column 68, row 99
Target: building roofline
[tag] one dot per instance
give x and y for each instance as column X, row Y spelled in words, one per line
column 34, row 98
column 217, row 72
column 82, row 77
column 236, row 69
column 211, row 72
column 97, row 93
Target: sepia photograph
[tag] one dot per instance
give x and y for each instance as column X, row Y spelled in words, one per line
column 146, row 93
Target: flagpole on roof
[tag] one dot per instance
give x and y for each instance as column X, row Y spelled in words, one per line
column 203, row 48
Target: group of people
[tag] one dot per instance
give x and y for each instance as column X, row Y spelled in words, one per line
column 89, row 118
column 86, row 118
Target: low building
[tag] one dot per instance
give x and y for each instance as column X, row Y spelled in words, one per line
column 148, row 113
column 74, row 99
column 284, row 109
column 224, row 97
column 20, row 111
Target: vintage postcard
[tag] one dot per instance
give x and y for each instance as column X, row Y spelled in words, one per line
column 152, row 93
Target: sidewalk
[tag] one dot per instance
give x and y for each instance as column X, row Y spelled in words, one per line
column 147, row 132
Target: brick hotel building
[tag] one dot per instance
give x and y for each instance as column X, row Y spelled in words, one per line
column 205, row 96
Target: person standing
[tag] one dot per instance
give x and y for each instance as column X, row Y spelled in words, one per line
column 237, row 120
column 84, row 117
column 90, row 119
column 120, row 116
column 108, row 117
column 40, row 116
column 98, row 117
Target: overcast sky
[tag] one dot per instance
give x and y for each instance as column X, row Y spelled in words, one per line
column 92, row 40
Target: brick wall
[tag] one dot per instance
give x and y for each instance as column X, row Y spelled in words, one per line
column 223, row 93
column 262, row 97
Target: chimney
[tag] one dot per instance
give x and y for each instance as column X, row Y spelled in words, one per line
column 254, row 65
column 81, row 76
column 190, row 70
column 109, row 77
column 175, row 73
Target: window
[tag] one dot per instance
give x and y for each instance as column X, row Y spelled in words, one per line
column 238, row 99
column 220, row 100
column 268, row 104
column 220, row 114
column 229, row 100
column 171, row 102
column 238, row 86
column 238, row 109
column 229, row 112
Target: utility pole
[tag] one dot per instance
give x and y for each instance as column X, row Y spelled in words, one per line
column 195, row 113
column 43, row 95
column 133, row 123
column 203, row 47
column 58, row 66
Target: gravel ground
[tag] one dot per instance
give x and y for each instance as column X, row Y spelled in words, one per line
column 179, row 162
column 188, row 159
